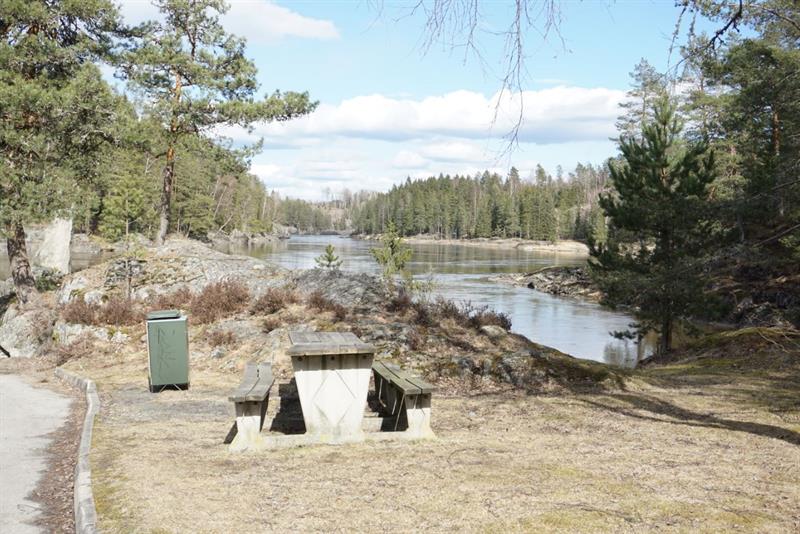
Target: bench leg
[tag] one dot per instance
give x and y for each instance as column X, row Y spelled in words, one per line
column 418, row 415
column 249, row 421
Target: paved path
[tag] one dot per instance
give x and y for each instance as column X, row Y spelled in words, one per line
column 27, row 415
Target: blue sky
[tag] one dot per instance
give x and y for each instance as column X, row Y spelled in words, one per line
column 388, row 110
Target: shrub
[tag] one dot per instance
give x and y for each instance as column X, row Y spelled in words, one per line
column 423, row 315
column 119, row 311
column 176, row 300
column 78, row 311
column 399, row 303
column 217, row 300
column 218, row 338
column 319, row 301
column 447, row 309
column 484, row 316
column 273, row 300
column 83, row 346
column 271, row 323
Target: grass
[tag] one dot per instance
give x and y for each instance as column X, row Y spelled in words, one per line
column 662, row 452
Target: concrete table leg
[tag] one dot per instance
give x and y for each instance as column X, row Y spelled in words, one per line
column 333, row 393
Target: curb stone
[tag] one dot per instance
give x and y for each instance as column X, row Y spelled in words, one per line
column 85, row 513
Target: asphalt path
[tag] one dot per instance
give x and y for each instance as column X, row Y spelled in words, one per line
column 27, row 415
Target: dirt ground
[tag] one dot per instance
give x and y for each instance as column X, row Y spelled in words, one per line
column 706, row 445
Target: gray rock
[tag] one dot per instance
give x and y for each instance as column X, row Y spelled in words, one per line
column 54, row 251
column 23, row 331
column 67, row 333
column 120, row 338
column 72, row 286
column 218, row 352
column 493, row 331
column 358, row 291
column 93, row 297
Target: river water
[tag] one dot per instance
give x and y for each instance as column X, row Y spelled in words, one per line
column 462, row 273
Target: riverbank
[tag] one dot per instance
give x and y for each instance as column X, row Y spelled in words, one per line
column 566, row 247
column 573, row 282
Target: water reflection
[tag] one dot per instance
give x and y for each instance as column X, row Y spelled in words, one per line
column 462, row 273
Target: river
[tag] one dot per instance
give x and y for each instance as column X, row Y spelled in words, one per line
column 461, row 273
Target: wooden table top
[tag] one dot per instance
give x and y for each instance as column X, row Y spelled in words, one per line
column 326, row 343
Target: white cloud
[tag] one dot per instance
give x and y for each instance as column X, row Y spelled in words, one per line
column 460, row 151
column 373, row 141
column 407, row 159
column 259, row 21
column 553, row 115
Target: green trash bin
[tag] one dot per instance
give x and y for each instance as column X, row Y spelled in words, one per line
column 168, row 350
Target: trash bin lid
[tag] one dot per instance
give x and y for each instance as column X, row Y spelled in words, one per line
column 163, row 314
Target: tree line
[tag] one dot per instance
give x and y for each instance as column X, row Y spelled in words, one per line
column 539, row 207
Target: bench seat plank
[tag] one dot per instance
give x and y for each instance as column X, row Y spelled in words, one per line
column 249, row 380
column 261, row 388
column 404, row 381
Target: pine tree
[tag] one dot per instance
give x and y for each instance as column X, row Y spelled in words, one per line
column 648, row 86
column 125, row 206
column 329, row 259
column 196, row 77
column 660, row 195
column 56, row 113
column 393, row 256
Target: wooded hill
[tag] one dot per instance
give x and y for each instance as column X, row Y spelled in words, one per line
column 489, row 205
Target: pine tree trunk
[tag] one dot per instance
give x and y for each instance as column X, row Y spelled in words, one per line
column 21, row 274
column 166, row 196
column 665, row 343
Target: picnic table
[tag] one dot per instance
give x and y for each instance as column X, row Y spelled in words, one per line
column 332, row 372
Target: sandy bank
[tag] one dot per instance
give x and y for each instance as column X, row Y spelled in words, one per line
column 572, row 248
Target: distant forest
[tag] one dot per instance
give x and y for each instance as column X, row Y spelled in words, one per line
column 539, row 207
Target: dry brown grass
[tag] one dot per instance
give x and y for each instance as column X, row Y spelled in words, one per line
column 218, row 300
column 117, row 311
column 318, row 301
column 273, row 300
column 220, row 338
column 690, row 447
column 175, row 300
column 78, row 311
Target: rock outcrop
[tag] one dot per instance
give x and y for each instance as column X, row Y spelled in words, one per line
column 559, row 281
column 179, row 263
column 25, row 329
column 54, row 250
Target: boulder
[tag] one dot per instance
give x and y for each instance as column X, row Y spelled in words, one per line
column 71, row 287
column 351, row 290
column 23, row 330
column 67, row 333
column 493, row 331
column 54, row 252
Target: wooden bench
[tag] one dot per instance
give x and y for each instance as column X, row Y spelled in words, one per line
column 250, row 400
column 405, row 397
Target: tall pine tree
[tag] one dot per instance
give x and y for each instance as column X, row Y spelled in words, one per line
column 660, row 196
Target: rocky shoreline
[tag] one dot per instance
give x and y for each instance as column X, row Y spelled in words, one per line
column 573, row 282
column 471, row 349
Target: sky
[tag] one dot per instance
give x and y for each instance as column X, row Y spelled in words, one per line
column 390, row 109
